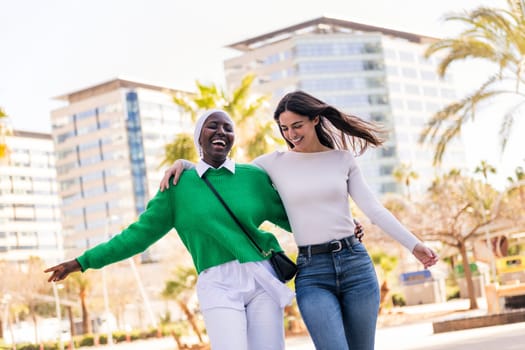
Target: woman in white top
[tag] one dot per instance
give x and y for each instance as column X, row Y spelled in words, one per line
column 336, row 285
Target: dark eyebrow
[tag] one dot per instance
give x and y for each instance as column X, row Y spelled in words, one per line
column 294, row 123
column 297, row 122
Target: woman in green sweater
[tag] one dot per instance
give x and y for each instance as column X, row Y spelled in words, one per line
column 241, row 299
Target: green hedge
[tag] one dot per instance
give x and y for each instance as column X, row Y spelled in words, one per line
column 89, row 339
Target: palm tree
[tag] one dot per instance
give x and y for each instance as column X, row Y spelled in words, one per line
column 30, row 287
column 405, row 174
column 80, row 283
column 181, row 148
column 484, row 168
column 492, row 35
column 517, row 184
column 519, row 175
column 253, row 136
column 5, row 130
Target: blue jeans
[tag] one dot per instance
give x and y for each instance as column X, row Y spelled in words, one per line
column 338, row 297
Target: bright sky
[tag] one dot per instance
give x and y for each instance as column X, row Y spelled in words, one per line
column 55, row 46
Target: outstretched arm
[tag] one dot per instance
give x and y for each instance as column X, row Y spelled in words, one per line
column 175, row 170
column 380, row 216
column 151, row 225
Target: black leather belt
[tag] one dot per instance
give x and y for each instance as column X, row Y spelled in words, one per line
column 330, row 247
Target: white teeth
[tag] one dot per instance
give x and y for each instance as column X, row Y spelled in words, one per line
column 219, row 142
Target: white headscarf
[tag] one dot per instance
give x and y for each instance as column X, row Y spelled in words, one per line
column 200, row 123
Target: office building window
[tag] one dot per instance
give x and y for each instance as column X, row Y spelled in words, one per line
column 386, row 169
column 408, row 72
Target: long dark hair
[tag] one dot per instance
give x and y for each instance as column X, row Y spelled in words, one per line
column 336, row 130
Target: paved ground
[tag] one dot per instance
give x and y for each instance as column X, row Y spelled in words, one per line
column 407, row 328
column 416, row 336
column 410, row 328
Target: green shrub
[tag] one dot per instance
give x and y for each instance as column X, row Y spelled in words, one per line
column 51, row 346
column 28, row 347
column 87, row 340
column 398, row 299
column 119, row 336
column 103, row 338
column 151, row 333
column 135, row 335
column 452, row 294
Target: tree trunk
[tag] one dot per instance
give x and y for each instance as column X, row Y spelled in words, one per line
column 86, row 323
column 468, row 277
column 10, row 326
column 71, row 320
column 175, row 336
column 384, row 292
column 522, row 197
column 35, row 323
column 191, row 319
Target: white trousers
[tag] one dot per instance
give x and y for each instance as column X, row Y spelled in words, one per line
column 259, row 327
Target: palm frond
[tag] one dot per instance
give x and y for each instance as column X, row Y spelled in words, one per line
column 446, row 124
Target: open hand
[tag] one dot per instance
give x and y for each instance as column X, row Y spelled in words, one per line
column 61, row 271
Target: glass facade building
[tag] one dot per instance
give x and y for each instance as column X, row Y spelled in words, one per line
column 29, row 202
column 110, row 142
column 372, row 72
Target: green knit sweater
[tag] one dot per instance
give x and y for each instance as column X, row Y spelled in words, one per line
column 207, row 230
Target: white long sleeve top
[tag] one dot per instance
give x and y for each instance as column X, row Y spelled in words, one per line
column 314, row 188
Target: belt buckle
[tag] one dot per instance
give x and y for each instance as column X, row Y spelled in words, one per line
column 339, row 246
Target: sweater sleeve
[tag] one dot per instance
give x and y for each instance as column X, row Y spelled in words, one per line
column 376, row 212
column 151, row 225
column 274, row 205
column 277, row 213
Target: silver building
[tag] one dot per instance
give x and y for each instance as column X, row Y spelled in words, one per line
column 29, row 202
column 110, row 140
column 376, row 73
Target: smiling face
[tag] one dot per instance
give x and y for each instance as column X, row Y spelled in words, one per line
column 216, row 138
column 299, row 131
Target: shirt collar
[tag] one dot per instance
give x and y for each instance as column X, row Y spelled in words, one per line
column 202, row 166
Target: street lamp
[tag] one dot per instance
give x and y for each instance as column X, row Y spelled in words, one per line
column 147, row 304
column 143, row 294
column 491, row 252
column 59, row 316
column 5, row 302
column 109, row 219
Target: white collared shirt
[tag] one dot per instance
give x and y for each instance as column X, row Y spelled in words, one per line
column 202, row 166
column 228, row 284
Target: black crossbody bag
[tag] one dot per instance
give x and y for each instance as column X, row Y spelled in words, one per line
column 284, row 267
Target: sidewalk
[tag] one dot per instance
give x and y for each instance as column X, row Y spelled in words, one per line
column 456, row 308
column 402, row 323
column 398, row 328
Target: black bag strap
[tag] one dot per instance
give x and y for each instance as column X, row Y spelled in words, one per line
column 230, row 211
